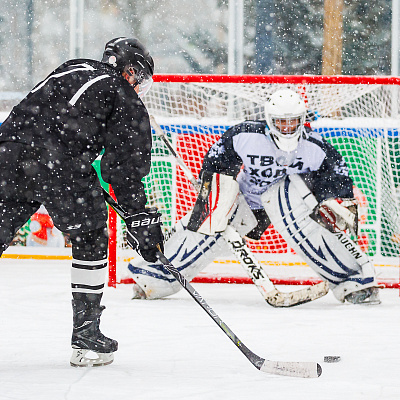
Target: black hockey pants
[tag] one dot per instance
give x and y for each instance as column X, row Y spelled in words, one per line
column 67, row 187
column 71, row 193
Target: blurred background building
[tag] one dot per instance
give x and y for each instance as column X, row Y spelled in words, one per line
column 191, row 36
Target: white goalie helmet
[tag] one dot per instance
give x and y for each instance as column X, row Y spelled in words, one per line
column 285, row 114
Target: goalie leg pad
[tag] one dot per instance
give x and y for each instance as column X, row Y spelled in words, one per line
column 334, row 256
column 190, row 253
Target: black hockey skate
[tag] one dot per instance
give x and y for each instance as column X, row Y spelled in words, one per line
column 87, row 337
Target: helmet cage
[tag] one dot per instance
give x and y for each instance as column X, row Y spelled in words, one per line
column 286, row 141
column 142, row 80
column 291, row 126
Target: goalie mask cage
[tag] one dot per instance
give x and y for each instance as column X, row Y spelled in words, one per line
column 359, row 115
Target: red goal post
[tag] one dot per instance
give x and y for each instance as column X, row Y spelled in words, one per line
column 359, row 115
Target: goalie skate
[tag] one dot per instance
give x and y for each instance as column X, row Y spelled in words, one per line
column 356, row 291
column 364, row 296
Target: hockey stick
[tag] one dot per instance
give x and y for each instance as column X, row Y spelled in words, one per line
column 244, row 255
column 287, row 368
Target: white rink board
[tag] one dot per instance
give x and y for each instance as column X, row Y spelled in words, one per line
column 277, row 266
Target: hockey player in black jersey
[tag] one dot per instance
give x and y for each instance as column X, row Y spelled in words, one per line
column 287, row 175
column 47, row 145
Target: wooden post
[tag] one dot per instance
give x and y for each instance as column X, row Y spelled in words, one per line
column 333, row 32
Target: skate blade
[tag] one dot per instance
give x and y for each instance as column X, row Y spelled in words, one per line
column 373, row 300
column 79, row 358
column 371, row 303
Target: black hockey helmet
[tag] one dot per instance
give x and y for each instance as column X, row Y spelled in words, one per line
column 122, row 53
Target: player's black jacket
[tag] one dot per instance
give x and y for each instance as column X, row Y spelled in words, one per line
column 79, row 110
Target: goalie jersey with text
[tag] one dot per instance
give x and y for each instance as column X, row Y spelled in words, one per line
column 248, row 152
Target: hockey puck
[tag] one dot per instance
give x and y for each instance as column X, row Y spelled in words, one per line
column 331, row 359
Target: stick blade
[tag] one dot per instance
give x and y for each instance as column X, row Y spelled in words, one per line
column 296, row 369
column 290, row 299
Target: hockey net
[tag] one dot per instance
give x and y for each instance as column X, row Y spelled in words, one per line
column 360, row 116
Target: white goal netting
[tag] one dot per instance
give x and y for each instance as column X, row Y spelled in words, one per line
column 361, row 119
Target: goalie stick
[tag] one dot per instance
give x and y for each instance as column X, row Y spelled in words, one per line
column 247, row 260
column 286, row 368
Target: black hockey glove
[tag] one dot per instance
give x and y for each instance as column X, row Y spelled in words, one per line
column 144, row 233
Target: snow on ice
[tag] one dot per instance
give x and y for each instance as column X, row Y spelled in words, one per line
column 171, row 349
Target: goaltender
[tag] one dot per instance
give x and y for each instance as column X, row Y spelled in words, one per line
column 286, row 175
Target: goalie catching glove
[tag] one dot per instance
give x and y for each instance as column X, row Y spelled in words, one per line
column 339, row 215
column 144, row 233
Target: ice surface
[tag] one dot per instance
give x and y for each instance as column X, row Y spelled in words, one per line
column 171, row 349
